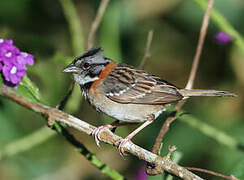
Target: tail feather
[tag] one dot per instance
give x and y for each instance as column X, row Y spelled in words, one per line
column 203, row 92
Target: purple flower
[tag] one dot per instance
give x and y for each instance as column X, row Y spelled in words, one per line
column 8, row 51
column 141, row 174
column 4, row 42
column 13, row 74
column 25, row 58
column 223, row 38
column 13, row 63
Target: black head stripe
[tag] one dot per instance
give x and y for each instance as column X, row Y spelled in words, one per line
column 90, row 52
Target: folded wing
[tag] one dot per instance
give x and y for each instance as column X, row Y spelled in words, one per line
column 125, row 84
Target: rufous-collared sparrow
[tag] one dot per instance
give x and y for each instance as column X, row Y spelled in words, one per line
column 124, row 92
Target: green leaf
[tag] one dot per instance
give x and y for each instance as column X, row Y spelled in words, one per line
column 31, row 88
column 22, row 91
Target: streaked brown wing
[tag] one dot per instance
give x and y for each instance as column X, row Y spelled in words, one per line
column 125, row 84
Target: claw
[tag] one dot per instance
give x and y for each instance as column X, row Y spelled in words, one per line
column 96, row 133
column 122, row 143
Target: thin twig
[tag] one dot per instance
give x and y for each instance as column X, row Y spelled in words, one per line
column 192, row 75
column 96, row 23
column 163, row 163
column 190, row 83
column 147, row 49
column 199, row 45
column 165, row 127
column 231, row 177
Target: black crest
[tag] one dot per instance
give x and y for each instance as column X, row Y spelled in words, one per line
column 90, row 52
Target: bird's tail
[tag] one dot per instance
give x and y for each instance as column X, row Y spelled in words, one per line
column 204, row 92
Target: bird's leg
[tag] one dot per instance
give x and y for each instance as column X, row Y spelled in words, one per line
column 122, row 142
column 114, row 129
column 97, row 131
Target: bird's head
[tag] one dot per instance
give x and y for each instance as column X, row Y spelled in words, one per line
column 87, row 67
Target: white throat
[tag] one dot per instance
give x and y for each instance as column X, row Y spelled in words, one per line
column 83, row 80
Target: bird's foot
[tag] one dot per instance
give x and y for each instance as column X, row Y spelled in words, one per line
column 96, row 133
column 122, row 143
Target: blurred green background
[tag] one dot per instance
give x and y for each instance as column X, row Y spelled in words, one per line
column 40, row 27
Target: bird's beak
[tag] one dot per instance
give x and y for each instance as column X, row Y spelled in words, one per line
column 71, row 69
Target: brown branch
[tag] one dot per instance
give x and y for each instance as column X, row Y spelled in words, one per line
column 192, row 76
column 163, row 163
column 96, row 23
column 231, row 177
column 147, row 49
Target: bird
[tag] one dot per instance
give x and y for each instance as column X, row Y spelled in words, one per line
column 126, row 93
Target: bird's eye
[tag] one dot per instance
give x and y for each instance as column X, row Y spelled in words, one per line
column 86, row 65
